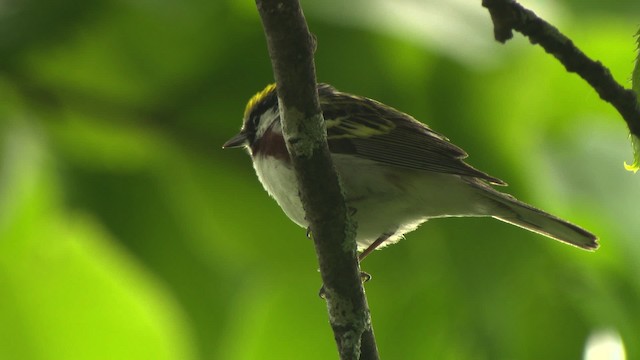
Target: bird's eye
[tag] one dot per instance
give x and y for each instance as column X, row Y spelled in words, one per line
column 252, row 124
column 255, row 120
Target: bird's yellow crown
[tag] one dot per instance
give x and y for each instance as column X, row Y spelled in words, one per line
column 258, row 97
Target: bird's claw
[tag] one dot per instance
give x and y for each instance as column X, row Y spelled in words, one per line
column 364, row 277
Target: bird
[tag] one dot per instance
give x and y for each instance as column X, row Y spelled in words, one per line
column 396, row 172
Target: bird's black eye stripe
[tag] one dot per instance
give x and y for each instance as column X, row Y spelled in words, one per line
column 251, row 125
column 255, row 119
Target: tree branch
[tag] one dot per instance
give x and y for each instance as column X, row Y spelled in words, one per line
column 508, row 15
column 291, row 49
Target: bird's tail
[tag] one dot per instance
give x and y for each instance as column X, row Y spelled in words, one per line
column 518, row 213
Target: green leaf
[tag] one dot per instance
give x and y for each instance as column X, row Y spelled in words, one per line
column 635, row 85
column 635, row 166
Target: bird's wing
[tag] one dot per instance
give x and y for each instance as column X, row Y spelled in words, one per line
column 371, row 130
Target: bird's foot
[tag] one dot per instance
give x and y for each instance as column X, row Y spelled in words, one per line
column 364, row 277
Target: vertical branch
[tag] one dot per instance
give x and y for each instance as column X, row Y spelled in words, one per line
column 291, row 49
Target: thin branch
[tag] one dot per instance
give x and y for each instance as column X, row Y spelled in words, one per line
column 291, row 49
column 508, row 15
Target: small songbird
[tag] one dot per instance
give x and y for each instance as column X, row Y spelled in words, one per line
column 396, row 172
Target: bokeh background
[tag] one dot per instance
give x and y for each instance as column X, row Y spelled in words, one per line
column 127, row 233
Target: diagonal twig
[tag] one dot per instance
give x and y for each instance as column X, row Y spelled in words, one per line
column 508, row 15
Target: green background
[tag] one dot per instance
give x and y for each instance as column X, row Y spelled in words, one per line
column 127, row 233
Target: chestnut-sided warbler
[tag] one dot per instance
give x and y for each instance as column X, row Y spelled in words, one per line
column 395, row 171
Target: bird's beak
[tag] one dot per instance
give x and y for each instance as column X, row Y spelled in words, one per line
column 237, row 141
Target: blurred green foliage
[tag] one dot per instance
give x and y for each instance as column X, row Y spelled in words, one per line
column 127, row 233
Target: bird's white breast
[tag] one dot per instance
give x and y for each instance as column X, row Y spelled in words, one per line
column 384, row 199
column 279, row 179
